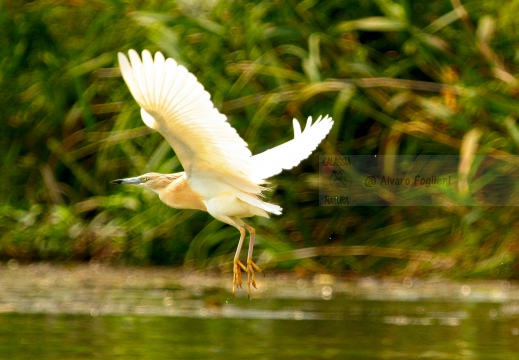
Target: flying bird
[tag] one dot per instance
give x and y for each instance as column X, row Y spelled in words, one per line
column 221, row 176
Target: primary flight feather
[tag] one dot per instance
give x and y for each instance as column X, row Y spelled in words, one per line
column 221, row 176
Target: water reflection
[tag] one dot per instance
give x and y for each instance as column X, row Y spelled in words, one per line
column 82, row 312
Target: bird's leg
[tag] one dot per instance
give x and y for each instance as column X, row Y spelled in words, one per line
column 237, row 265
column 251, row 267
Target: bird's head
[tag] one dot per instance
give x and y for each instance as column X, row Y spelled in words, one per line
column 153, row 181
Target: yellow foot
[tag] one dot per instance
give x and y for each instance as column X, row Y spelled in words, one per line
column 251, row 267
column 236, row 280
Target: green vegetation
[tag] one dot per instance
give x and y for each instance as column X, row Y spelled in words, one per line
column 399, row 77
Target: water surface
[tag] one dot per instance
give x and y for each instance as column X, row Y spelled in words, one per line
column 86, row 312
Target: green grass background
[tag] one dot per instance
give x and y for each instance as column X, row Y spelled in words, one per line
column 398, row 77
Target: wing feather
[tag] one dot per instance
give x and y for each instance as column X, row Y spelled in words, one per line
column 291, row 153
column 174, row 103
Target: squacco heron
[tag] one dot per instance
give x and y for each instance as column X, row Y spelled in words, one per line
column 221, row 176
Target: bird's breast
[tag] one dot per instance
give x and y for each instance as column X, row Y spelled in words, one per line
column 180, row 195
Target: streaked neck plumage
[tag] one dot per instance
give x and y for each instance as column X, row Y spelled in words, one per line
column 174, row 190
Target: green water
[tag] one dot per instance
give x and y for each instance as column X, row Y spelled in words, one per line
column 95, row 312
column 340, row 329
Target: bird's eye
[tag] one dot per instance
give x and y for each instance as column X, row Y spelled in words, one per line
column 144, row 179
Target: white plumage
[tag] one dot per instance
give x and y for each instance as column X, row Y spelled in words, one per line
column 221, row 175
column 291, row 153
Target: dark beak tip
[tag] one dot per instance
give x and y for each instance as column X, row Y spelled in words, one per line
column 116, row 181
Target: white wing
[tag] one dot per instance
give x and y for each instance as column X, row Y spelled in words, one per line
column 291, row 153
column 175, row 104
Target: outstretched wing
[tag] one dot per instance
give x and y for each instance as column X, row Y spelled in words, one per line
column 291, row 153
column 175, row 104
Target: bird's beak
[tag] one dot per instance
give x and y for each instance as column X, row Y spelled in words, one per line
column 127, row 181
